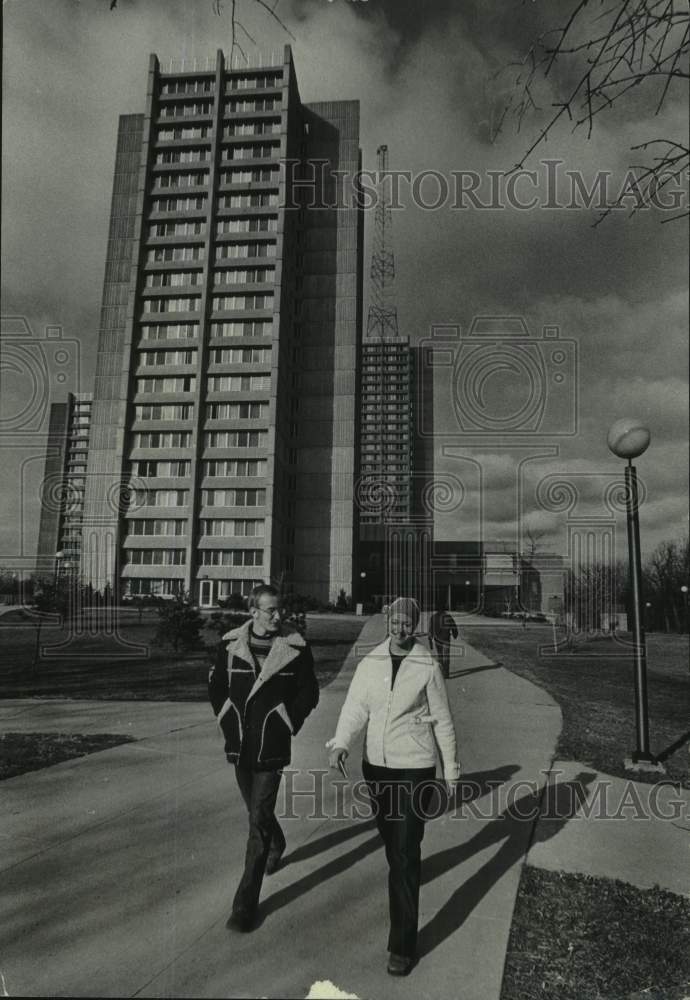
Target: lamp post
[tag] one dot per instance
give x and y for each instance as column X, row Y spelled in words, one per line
column 629, row 438
column 684, row 592
column 468, row 583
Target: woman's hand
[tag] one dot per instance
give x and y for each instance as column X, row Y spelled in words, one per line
column 336, row 754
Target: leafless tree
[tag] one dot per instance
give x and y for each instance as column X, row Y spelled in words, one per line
column 603, row 52
column 665, row 572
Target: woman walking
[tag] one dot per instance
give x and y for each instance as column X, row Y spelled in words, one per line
column 398, row 695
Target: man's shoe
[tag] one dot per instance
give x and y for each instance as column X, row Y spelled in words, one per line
column 399, row 965
column 274, row 861
column 242, row 920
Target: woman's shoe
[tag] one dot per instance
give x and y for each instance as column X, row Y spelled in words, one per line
column 399, row 965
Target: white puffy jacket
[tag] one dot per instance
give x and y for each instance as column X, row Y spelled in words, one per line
column 405, row 725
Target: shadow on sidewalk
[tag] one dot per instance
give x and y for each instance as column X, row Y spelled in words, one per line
column 518, row 826
column 474, row 670
column 471, row 787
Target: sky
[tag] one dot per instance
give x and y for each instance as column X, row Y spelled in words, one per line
column 425, row 76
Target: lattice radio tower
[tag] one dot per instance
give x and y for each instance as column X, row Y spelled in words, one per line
column 382, row 318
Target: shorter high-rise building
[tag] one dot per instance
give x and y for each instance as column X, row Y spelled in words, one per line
column 62, row 497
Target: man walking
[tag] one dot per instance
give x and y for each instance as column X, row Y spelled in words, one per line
column 262, row 688
column 441, row 627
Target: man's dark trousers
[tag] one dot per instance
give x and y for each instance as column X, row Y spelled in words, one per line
column 400, row 799
column 443, row 653
column 259, row 790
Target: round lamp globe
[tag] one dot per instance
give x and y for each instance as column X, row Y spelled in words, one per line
column 628, row 438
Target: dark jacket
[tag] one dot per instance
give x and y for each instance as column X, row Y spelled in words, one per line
column 252, row 710
column 441, row 627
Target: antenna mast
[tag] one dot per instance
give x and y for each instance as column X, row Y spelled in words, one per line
column 382, row 318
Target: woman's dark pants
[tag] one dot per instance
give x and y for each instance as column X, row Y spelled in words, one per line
column 400, row 799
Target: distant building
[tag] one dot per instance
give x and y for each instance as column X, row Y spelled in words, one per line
column 62, row 495
column 224, row 419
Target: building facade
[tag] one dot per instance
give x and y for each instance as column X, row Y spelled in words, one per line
column 224, row 439
column 64, row 479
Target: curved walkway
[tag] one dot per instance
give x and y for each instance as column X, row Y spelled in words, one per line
column 118, row 869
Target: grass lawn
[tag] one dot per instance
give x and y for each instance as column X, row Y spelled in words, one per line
column 574, row 937
column 596, row 695
column 22, row 752
column 87, row 666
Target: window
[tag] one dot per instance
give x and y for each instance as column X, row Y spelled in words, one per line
column 161, row 470
column 255, row 151
column 231, row 557
column 154, row 359
column 188, row 109
column 201, row 86
column 169, row 331
column 156, row 557
column 236, row 411
column 165, row 411
column 235, row 439
column 183, row 156
column 160, row 526
column 244, row 275
column 251, row 104
column 243, row 328
column 262, row 126
column 144, row 587
column 171, row 305
column 192, row 204
column 253, row 224
column 193, row 227
column 254, row 81
column 162, row 439
column 257, row 175
column 235, row 250
column 181, row 133
column 233, row 528
column 160, row 498
column 182, row 383
column 262, row 300
column 241, row 355
column 235, row 383
column 230, row 467
column 233, row 498
column 195, row 178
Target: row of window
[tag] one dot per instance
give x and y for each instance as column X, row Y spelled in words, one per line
column 189, row 331
column 200, row 155
column 169, row 331
column 238, row 383
column 214, row 411
column 235, row 439
column 203, row 85
column 181, row 133
column 260, row 224
column 192, row 203
column 161, row 470
column 192, row 227
column 235, row 250
column 220, row 303
column 209, row 498
column 195, row 178
column 162, row 439
column 231, row 557
column 240, row 355
column 230, row 467
column 166, row 255
column 248, row 199
column 186, row 109
column 251, row 104
column 244, row 276
column 236, row 411
column 255, row 151
column 264, row 126
column 155, row 557
column 185, row 304
column 219, row 527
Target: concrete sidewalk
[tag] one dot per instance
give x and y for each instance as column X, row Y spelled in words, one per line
column 118, row 869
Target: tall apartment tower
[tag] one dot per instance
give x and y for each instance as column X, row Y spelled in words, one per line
column 62, row 500
column 394, row 530
column 224, row 436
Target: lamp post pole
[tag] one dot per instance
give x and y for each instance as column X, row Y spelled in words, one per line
column 629, row 438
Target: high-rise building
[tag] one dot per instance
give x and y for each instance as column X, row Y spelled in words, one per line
column 62, row 499
column 224, row 433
